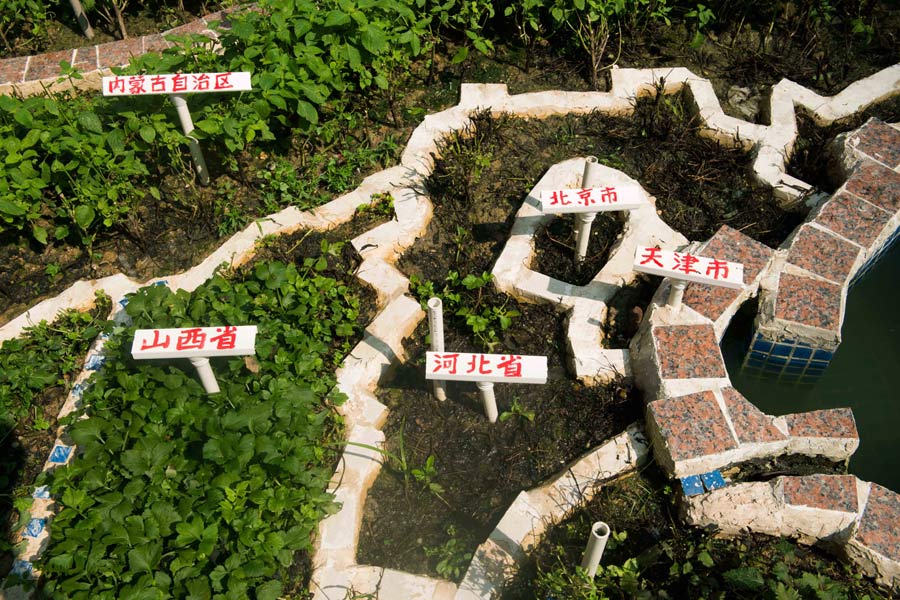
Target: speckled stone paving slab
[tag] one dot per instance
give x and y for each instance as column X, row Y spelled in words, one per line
column 732, row 245
column 692, row 425
column 823, row 253
column 831, row 492
column 878, row 527
column 750, row 424
column 688, row 351
column 13, row 69
column 828, row 423
column 43, row 66
column 880, row 141
column 809, row 301
column 853, row 218
column 877, row 184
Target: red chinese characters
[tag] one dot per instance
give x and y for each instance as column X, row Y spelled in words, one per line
column 446, row 363
column 653, row 255
column 226, row 339
column 191, row 339
column 222, row 81
column 158, row 83
column 200, row 82
column 511, row 365
column 717, row 269
column 559, row 197
column 608, row 195
column 179, row 83
column 685, row 263
column 586, row 197
column 115, row 85
column 483, row 363
column 136, row 85
column 157, row 342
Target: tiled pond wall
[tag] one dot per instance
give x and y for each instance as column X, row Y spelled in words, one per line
column 697, row 422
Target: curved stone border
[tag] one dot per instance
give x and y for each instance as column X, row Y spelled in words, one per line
column 335, row 569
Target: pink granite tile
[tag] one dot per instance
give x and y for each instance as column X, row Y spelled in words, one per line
column 12, row 70
column 750, row 423
column 827, row 423
column 831, row 492
column 117, row 54
column 692, row 425
column 823, row 253
column 853, row 218
column 155, row 43
column 879, row 140
column 44, row 66
column 688, row 351
column 732, row 245
column 877, row 184
column 188, row 28
column 878, row 527
column 809, row 301
column 85, row 59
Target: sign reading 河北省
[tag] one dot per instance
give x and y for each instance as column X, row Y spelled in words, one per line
column 194, row 342
column 689, row 267
column 497, row 368
column 179, row 83
column 590, row 200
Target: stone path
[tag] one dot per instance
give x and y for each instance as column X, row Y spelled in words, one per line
column 697, row 421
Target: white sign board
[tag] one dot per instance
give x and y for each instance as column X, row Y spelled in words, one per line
column 591, row 200
column 179, row 83
column 505, row 368
column 194, row 342
column 688, row 267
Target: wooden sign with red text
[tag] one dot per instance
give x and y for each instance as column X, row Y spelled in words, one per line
column 686, row 266
column 194, row 341
column 179, row 83
column 591, row 200
column 497, row 368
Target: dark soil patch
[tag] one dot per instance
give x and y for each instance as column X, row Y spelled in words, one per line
column 807, row 161
column 555, row 248
column 479, row 466
column 626, row 310
column 642, row 506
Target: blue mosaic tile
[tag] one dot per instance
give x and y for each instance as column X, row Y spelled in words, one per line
column 22, row 568
column 34, row 528
column 692, row 485
column 60, row 454
column 815, row 372
column 78, row 389
column 782, row 350
column 41, row 493
column 759, row 355
column 794, row 369
column 818, row 364
column 123, row 302
column 762, row 346
column 778, row 360
column 712, row 480
column 802, row 352
column 823, row 355
column 161, row 282
column 754, row 362
column 95, row 362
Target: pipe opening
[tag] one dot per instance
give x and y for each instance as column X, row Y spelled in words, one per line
column 434, row 303
column 600, row 529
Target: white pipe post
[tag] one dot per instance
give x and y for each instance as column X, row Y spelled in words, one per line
column 436, row 328
column 583, row 221
column 187, row 126
column 676, row 293
column 595, row 546
column 486, row 390
column 207, row 377
column 82, row 19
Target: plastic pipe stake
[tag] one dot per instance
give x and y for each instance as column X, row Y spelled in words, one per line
column 595, row 546
column 436, row 327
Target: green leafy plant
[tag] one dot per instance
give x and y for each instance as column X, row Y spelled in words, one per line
column 517, row 410
column 452, row 556
column 180, row 493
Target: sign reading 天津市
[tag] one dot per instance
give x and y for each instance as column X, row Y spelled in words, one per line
column 688, row 267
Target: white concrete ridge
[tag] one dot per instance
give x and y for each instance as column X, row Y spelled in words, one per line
column 336, row 573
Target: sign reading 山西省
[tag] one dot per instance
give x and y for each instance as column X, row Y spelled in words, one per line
column 191, row 342
column 689, row 267
column 178, row 83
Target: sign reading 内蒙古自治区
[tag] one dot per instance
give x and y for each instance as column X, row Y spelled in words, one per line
column 688, row 267
column 496, row 368
column 179, row 83
column 590, row 200
column 191, row 342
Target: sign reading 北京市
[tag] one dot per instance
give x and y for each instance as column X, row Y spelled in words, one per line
column 187, row 83
column 590, row 200
column 194, row 342
column 497, row 368
column 689, row 267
